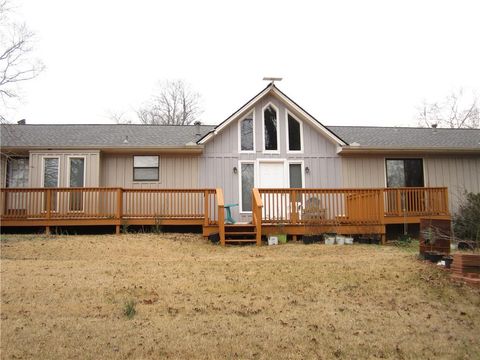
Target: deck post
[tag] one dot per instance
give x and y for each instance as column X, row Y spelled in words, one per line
column 119, row 210
column 48, row 210
column 221, row 216
column 293, row 205
column 206, row 207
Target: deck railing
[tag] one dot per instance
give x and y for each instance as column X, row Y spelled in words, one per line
column 350, row 206
column 257, row 206
column 108, row 203
column 416, row 201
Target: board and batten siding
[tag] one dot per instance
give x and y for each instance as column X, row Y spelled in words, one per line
column 175, row 172
column 3, row 171
column 221, row 154
column 458, row 173
column 92, row 166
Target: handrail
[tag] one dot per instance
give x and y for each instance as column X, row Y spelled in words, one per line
column 257, row 206
column 221, row 215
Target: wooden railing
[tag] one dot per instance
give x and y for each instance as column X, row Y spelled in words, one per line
column 58, row 203
column 416, row 201
column 108, row 203
column 349, row 206
column 257, row 206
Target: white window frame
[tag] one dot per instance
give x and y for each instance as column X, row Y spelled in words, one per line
column 255, row 168
column 84, row 168
column 278, row 129
column 145, row 181
column 43, row 169
column 84, row 180
column 42, row 183
column 302, row 165
column 240, row 133
column 287, row 113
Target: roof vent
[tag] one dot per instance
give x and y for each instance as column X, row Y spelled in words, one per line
column 198, row 133
column 22, row 122
column 125, row 141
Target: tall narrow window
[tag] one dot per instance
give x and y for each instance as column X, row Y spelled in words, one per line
column 270, row 128
column 145, row 168
column 404, row 172
column 50, row 172
column 296, row 175
column 246, row 134
column 50, row 179
column 17, row 172
column 294, row 134
column 77, row 175
column 247, row 186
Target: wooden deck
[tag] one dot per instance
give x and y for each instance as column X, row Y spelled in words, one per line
column 291, row 211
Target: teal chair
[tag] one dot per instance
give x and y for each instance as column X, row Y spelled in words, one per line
column 229, row 218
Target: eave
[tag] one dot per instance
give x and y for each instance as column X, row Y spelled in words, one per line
column 365, row 150
column 187, row 149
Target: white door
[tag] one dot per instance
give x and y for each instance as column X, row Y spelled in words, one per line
column 273, row 175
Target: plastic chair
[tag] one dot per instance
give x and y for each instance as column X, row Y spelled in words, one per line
column 229, row 218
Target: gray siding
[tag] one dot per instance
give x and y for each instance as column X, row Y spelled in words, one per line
column 3, row 171
column 458, row 173
column 221, row 154
column 92, row 163
column 179, row 171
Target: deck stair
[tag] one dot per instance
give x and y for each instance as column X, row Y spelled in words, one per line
column 240, row 233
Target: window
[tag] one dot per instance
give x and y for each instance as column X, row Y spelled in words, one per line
column 295, row 175
column 50, row 172
column 247, row 179
column 270, row 129
column 246, row 134
column 404, row 172
column 76, row 179
column 50, row 180
column 17, row 172
column 294, row 134
column 145, row 168
column 77, row 172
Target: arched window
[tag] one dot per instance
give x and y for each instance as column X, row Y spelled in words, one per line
column 270, row 129
column 246, row 134
column 294, row 134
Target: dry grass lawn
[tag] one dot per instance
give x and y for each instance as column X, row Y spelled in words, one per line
column 63, row 297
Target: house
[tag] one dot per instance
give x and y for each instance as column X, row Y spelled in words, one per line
column 357, row 175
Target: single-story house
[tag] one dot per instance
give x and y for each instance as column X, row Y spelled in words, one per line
column 268, row 143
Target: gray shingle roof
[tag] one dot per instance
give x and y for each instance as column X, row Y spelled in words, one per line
column 110, row 135
column 99, row 135
column 407, row 137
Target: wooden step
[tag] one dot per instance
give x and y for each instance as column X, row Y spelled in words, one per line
column 240, row 233
column 241, row 240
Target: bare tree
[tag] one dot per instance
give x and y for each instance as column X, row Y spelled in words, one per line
column 454, row 112
column 175, row 104
column 119, row 117
column 16, row 62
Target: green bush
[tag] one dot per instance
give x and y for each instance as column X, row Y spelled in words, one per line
column 466, row 222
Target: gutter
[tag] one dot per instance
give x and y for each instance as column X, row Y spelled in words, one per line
column 357, row 150
column 188, row 148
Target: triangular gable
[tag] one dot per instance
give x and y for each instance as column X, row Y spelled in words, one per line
column 271, row 88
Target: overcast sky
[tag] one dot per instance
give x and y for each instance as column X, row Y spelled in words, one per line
column 346, row 62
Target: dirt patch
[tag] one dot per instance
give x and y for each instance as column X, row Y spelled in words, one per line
column 64, row 297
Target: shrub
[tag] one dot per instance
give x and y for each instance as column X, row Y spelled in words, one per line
column 466, row 222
